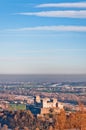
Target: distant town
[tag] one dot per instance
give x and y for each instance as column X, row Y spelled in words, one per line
column 41, row 100
column 69, row 93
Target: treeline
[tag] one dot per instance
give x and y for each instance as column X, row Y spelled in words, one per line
column 24, row 120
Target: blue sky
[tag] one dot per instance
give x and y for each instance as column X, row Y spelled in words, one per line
column 42, row 37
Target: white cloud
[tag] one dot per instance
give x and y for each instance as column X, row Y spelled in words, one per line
column 53, row 28
column 50, row 51
column 73, row 5
column 64, row 14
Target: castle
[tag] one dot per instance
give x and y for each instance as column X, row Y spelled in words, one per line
column 42, row 106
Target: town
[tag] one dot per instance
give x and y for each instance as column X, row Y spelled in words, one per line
column 69, row 93
column 39, row 100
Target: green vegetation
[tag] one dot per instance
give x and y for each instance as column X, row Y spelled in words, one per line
column 17, row 107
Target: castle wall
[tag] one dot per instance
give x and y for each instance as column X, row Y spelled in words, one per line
column 60, row 105
column 47, row 103
column 47, row 111
column 43, row 106
column 44, row 111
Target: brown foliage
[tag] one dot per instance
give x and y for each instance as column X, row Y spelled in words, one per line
column 60, row 120
column 24, row 120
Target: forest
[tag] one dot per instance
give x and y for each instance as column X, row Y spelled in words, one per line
column 25, row 120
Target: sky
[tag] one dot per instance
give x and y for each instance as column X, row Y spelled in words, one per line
column 42, row 37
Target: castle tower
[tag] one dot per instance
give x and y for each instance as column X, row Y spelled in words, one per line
column 37, row 99
column 54, row 102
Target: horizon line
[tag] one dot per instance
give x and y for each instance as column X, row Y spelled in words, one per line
column 44, row 74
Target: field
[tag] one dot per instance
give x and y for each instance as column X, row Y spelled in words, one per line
column 17, row 107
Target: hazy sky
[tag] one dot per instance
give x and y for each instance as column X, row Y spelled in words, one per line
column 42, row 37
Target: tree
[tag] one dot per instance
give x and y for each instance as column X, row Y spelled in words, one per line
column 17, row 128
column 26, row 128
column 50, row 128
column 5, row 127
column 60, row 120
column 37, row 128
column 81, row 120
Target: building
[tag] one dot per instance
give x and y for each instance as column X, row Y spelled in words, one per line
column 4, row 105
column 44, row 105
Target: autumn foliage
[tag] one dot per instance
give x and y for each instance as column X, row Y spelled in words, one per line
column 24, row 120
